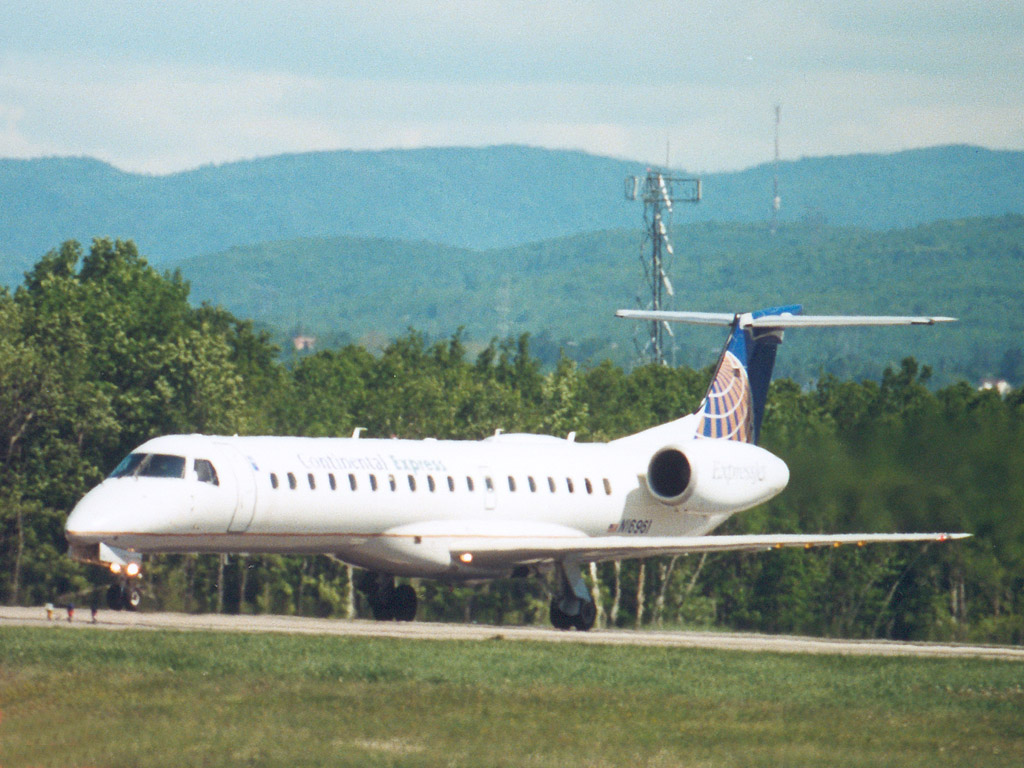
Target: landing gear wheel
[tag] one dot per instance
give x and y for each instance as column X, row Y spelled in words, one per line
column 388, row 602
column 404, row 598
column 559, row 619
column 131, row 598
column 382, row 603
column 115, row 599
column 584, row 620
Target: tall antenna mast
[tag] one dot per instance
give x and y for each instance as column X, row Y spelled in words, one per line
column 776, row 199
column 658, row 191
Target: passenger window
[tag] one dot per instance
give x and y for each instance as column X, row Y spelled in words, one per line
column 332, row 481
column 590, row 488
column 273, row 480
column 569, row 485
column 533, row 484
column 292, row 483
column 451, row 483
column 469, row 482
column 392, row 482
column 511, row 483
column 551, row 484
column 312, row 482
column 607, row 487
column 205, row 472
column 489, row 483
column 352, row 482
column 412, row 483
column 373, row 482
column 431, row 484
column 162, row 465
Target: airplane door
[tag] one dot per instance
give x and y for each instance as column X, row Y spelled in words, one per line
column 244, row 475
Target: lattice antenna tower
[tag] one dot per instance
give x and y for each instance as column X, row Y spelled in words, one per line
column 659, row 191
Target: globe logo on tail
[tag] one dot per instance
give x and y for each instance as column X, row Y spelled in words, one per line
column 727, row 412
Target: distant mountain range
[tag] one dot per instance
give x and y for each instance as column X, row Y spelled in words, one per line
column 465, row 198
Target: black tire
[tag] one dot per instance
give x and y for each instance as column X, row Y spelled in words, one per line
column 584, row 621
column 115, row 598
column 404, row 603
column 382, row 612
column 382, row 603
column 559, row 620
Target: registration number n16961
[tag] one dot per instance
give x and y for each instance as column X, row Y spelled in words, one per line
column 634, row 526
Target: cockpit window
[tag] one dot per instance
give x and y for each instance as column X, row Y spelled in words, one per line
column 205, row 472
column 151, row 465
column 128, row 465
column 162, row 465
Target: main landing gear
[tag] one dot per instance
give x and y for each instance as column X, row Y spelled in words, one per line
column 574, row 607
column 387, row 601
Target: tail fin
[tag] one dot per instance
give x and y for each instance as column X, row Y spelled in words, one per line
column 734, row 404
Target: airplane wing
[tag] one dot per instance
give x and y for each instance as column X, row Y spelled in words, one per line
column 602, row 548
column 499, row 543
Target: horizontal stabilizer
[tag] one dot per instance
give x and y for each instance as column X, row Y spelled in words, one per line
column 779, row 321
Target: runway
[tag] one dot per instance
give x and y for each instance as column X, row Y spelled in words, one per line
column 734, row 641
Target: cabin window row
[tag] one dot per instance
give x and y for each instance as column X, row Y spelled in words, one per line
column 432, row 484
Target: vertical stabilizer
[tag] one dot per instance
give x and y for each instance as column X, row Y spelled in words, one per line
column 734, row 404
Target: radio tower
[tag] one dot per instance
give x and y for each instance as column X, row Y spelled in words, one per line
column 776, row 200
column 658, row 192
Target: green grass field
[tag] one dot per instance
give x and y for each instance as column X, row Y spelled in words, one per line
column 82, row 697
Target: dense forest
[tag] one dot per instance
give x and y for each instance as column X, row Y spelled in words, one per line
column 565, row 291
column 99, row 351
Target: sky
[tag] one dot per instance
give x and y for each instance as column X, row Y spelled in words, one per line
column 158, row 87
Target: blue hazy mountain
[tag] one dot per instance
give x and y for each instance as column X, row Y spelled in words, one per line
column 491, row 197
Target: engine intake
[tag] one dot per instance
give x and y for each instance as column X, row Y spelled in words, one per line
column 668, row 475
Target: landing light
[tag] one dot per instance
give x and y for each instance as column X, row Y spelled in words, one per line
column 115, row 568
column 466, row 557
column 132, row 569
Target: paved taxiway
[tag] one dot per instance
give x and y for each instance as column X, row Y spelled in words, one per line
column 113, row 620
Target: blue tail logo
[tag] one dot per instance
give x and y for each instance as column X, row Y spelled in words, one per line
column 734, row 404
column 726, row 411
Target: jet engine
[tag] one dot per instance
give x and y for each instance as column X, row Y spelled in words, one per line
column 709, row 476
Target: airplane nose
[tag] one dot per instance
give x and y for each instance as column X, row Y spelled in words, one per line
column 87, row 519
column 121, row 510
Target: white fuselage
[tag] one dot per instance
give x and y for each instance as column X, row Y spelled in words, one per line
column 380, row 504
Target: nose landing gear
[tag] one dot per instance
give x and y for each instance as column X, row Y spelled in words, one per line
column 124, row 596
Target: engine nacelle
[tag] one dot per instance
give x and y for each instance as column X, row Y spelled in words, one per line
column 709, row 476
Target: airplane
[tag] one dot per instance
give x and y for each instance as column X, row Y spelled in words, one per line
column 510, row 505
